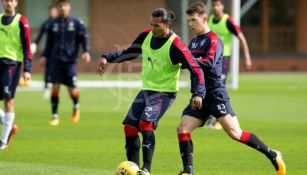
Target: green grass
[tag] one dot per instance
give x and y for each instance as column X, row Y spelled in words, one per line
column 271, row 105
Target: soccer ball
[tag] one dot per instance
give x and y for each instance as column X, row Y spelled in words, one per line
column 127, row 168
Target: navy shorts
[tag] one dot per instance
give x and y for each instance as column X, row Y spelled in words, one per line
column 149, row 106
column 9, row 79
column 225, row 67
column 215, row 104
column 64, row 73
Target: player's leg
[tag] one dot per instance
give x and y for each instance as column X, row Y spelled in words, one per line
column 70, row 80
column 47, row 80
column 131, row 129
column 232, row 128
column 184, row 130
column 55, row 90
column 157, row 104
column 10, row 81
column 1, row 116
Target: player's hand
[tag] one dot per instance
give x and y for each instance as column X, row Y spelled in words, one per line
column 27, row 78
column 86, row 56
column 42, row 61
column 196, row 102
column 100, row 68
column 248, row 63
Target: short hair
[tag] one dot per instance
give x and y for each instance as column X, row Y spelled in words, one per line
column 197, row 7
column 221, row 1
column 62, row 1
column 166, row 15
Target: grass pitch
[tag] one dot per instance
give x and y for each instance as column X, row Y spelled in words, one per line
column 273, row 106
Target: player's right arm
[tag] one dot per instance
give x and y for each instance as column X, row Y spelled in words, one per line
column 128, row 54
column 49, row 43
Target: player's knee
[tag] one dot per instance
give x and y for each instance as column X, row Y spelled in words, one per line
column 146, row 126
column 130, row 131
column 181, row 128
column 234, row 134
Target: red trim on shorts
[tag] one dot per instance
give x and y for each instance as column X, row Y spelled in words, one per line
column 184, row 137
column 245, row 137
column 130, row 131
column 146, row 126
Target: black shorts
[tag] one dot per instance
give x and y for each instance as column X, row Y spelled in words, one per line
column 9, row 79
column 64, row 73
column 216, row 104
column 149, row 106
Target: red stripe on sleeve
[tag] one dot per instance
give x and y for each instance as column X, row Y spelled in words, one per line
column 187, row 54
column 26, row 28
column 213, row 45
column 237, row 28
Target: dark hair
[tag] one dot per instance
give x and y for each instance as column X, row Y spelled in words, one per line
column 62, row 1
column 197, row 7
column 221, row 1
column 166, row 15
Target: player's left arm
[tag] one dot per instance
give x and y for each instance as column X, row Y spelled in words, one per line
column 26, row 43
column 235, row 29
column 84, row 39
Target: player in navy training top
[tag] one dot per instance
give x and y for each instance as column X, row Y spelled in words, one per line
column 65, row 34
column 207, row 48
column 14, row 51
column 53, row 13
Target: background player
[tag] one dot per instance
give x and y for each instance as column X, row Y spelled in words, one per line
column 162, row 55
column 208, row 49
column 53, row 13
column 65, row 34
column 14, row 49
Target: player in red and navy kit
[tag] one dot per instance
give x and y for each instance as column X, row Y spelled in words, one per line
column 207, row 48
column 162, row 55
column 14, row 51
column 65, row 34
column 53, row 13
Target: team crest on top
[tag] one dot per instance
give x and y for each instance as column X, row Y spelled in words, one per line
column 194, row 45
column 55, row 27
column 71, row 26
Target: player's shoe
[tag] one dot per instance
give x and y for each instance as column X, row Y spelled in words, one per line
column 2, row 145
column 279, row 164
column 187, row 170
column 142, row 172
column 217, row 126
column 75, row 115
column 14, row 131
column 54, row 121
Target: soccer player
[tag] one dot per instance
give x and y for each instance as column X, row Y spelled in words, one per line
column 223, row 25
column 14, row 49
column 53, row 13
column 162, row 55
column 65, row 34
column 208, row 49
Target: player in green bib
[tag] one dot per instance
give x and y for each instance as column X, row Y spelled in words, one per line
column 162, row 56
column 14, row 51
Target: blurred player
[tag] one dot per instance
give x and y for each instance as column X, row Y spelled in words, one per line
column 162, row 55
column 223, row 25
column 208, row 49
column 53, row 13
column 14, row 49
column 65, row 34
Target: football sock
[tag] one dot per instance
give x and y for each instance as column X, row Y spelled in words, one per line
column 75, row 98
column 186, row 151
column 1, row 116
column 132, row 144
column 253, row 141
column 54, row 103
column 7, row 126
column 148, row 147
